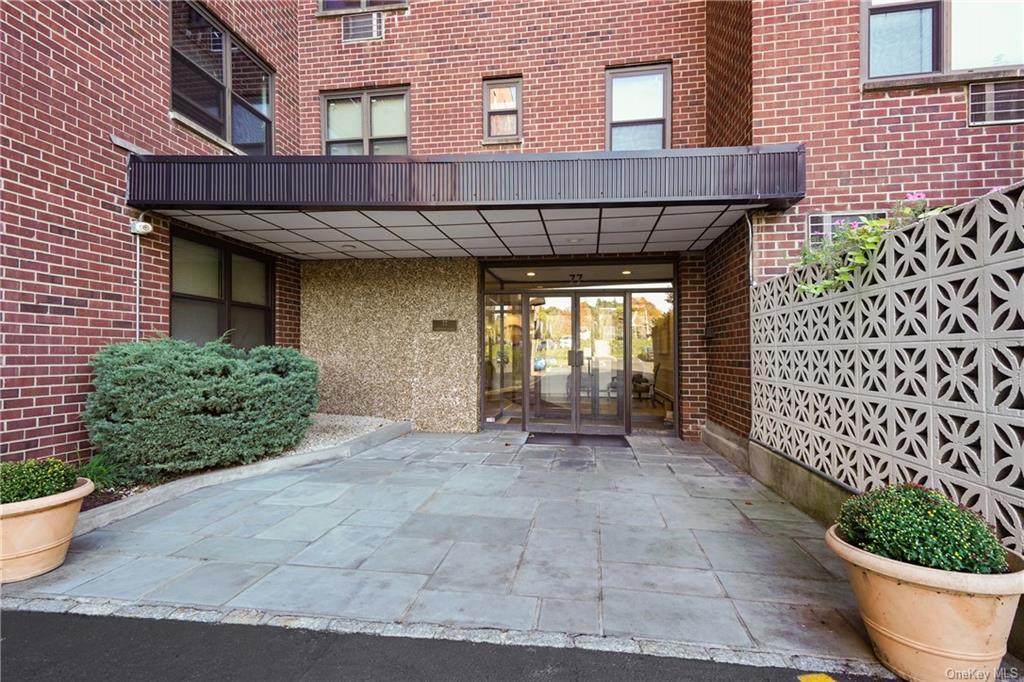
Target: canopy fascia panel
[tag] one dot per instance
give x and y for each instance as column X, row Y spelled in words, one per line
column 772, row 175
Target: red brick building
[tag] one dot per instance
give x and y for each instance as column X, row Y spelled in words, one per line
column 619, row 126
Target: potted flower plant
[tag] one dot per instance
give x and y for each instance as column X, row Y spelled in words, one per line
column 937, row 591
column 39, row 505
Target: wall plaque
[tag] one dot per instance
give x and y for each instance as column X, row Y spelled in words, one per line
column 446, row 325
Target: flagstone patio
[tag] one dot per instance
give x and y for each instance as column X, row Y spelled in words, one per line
column 663, row 540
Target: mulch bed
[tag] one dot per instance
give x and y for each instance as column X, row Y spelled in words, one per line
column 98, row 498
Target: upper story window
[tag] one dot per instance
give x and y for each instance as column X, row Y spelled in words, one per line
column 371, row 123
column 217, row 83
column 503, row 110
column 942, row 36
column 356, row 6
column 638, row 108
column 216, row 288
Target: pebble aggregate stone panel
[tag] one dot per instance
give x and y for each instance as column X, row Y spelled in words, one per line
column 914, row 372
column 369, row 326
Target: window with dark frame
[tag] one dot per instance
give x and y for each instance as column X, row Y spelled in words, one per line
column 638, row 107
column 217, row 288
column 503, row 109
column 217, row 83
column 369, row 123
column 358, row 6
column 914, row 38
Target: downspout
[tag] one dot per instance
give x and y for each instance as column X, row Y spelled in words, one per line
column 750, row 250
column 138, row 287
column 139, row 228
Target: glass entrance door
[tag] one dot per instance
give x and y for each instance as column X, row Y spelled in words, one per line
column 552, row 373
column 602, row 368
column 577, row 364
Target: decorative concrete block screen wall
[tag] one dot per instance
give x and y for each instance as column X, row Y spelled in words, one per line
column 913, row 373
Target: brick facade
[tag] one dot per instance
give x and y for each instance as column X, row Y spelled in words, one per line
column 728, row 329
column 728, row 110
column 693, row 361
column 442, row 51
column 865, row 150
column 743, row 72
column 73, row 74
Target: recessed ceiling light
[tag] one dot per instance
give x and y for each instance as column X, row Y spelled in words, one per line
column 574, row 240
column 627, row 272
column 531, row 274
column 348, row 246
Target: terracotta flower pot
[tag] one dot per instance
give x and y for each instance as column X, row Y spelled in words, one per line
column 35, row 534
column 928, row 624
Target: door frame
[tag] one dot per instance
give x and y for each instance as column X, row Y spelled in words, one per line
column 575, row 424
column 568, row 290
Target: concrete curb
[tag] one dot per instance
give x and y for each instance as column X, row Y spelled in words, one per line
column 631, row 645
column 115, row 511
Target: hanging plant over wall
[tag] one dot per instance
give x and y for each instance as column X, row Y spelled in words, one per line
column 838, row 258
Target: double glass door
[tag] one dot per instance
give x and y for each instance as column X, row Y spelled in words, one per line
column 577, row 363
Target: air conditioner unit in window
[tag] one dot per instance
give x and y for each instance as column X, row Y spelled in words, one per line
column 996, row 102
column 356, row 27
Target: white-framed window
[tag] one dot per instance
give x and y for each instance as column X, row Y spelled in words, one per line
column 638, row 107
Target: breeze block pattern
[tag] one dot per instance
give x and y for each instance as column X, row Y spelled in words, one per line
column 915, row 372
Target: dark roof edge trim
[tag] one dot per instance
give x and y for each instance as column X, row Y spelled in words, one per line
column 773, row 174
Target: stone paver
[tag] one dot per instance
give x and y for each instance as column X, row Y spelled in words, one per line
column 605, row 547
column 332, row 592
column 474, row 609
column 136, row 578
column 570, row 616
column 212, row 583
column 687, row 618
column 471, row 567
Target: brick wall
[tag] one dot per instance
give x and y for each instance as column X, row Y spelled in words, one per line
column 864, row 149
column 728, row 314
column 71, row 75
column 444, row 50
column 693, row 371
column 728, row 113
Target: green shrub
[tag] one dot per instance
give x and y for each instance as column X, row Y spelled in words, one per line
column 104, row 473
column 919, row 526
column 166, row 406
column 34, row 478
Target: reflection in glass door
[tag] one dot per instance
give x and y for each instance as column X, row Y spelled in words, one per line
column 503, row 359
column 577, row 363
column 602, row 339
column 552, row 375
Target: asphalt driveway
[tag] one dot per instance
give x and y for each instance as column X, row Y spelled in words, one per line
column 661, row 541
column 47, row 646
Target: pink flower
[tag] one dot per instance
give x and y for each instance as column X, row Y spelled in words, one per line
column 915, row 196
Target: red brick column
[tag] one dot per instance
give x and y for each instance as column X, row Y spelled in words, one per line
column 728, row 314
column 692, row 370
